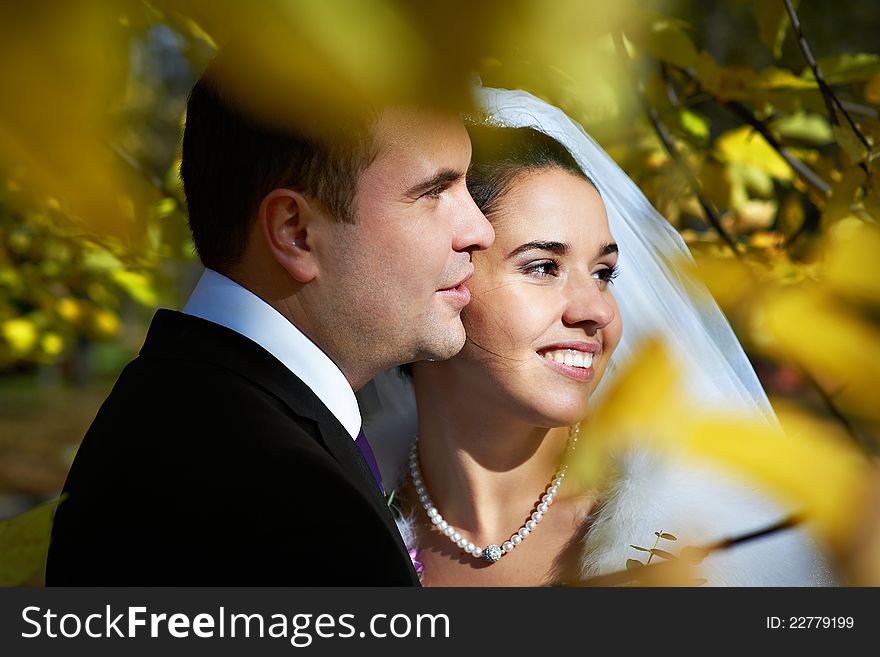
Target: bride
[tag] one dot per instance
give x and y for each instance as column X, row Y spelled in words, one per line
column 579, row 274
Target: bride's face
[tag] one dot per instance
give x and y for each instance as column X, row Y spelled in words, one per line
column 543, row 323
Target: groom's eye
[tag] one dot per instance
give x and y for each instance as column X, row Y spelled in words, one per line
column 435, row 192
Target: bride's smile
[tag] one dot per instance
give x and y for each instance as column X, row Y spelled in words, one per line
column 543, row 321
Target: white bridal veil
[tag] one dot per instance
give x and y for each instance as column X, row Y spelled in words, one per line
column 655, row 296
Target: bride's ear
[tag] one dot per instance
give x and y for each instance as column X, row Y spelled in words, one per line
column 287, row 221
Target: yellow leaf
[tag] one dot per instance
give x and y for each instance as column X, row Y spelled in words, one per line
column 52, row 344
column 24, row 543
column 755, row 214
column 765, row 239
column 808, row 465
column 872, row 89
column 745, row 148
column 729, row 281
column 811, row 128
column 828, row 340
column 638, row 401
column 68, row 309
column 138, row 286
column 852, row 259
column 778, row 78
column 715, row 183
column 791, row 215
column 20, row 334
column 105, row 325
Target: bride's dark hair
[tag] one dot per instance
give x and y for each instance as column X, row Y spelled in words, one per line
column 501, row 154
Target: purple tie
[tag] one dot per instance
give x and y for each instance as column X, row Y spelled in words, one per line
column 364, row 446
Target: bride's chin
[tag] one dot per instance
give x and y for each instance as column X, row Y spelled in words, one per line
column 561, row 416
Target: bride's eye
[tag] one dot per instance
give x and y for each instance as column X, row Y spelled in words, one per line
column 541, row 269
column 607, row 275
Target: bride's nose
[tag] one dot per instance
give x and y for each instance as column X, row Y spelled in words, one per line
column 587, row 302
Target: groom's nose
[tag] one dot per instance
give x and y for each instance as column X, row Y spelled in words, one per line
column 471, row 231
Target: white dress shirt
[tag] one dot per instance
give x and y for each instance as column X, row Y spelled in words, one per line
column 223, row 301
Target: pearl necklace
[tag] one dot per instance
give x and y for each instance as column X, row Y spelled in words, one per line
column 493, row 552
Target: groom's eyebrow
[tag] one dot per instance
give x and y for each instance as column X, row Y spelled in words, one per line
column 443, row 177
column 558, row 248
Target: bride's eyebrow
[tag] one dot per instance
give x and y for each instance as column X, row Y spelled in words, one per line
column 558, row 248
column 608, row 248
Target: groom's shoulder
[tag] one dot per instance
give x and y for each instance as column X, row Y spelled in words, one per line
column 192, row 358
column 196, row 379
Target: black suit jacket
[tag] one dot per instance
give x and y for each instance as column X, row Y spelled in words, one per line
column 211, row 464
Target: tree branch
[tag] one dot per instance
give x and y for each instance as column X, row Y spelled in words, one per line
column 802, row 168
column 668, row 143
column 624, row 576
column 805, row 172
column 828, row 94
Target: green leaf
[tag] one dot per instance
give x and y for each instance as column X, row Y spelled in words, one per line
column 780, row 78
column 138, row 286
column 773, row 21
column 694, row 124
column 668, row 42
column 636, row 547
column 664, row 554
column 24, row 543
column 846, row 68
column 847, row 140
column 633, row 563
column 812, row 128
column 668, row 537
column 843, row 195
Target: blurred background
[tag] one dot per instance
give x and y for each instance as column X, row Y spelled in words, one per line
column 753, row 134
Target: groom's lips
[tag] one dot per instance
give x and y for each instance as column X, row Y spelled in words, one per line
column 458, row 293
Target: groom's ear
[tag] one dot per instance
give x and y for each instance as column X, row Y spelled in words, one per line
column 286, row 218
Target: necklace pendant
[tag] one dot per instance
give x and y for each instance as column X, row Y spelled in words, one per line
column 492, row 553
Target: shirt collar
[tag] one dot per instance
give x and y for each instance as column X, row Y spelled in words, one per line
column 221, row 300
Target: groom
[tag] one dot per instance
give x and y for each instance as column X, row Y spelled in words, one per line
column 230, row 451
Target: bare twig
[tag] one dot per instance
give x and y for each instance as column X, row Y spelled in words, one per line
column 857, row 108
column 801, row 168
column 828, row 95
column 668, row 143
column 137, row 167
column 836, row 413
column 805, row 172
column 639, row 572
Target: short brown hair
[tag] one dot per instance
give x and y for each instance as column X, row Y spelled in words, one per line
column 231, row 159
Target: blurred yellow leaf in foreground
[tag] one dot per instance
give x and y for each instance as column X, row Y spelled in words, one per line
column 807, row 465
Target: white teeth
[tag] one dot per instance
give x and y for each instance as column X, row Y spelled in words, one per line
column 570, row 357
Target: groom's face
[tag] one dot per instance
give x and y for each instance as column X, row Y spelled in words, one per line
column 399, row 272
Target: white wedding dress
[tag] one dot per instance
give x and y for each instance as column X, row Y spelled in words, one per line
column 698, row 504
